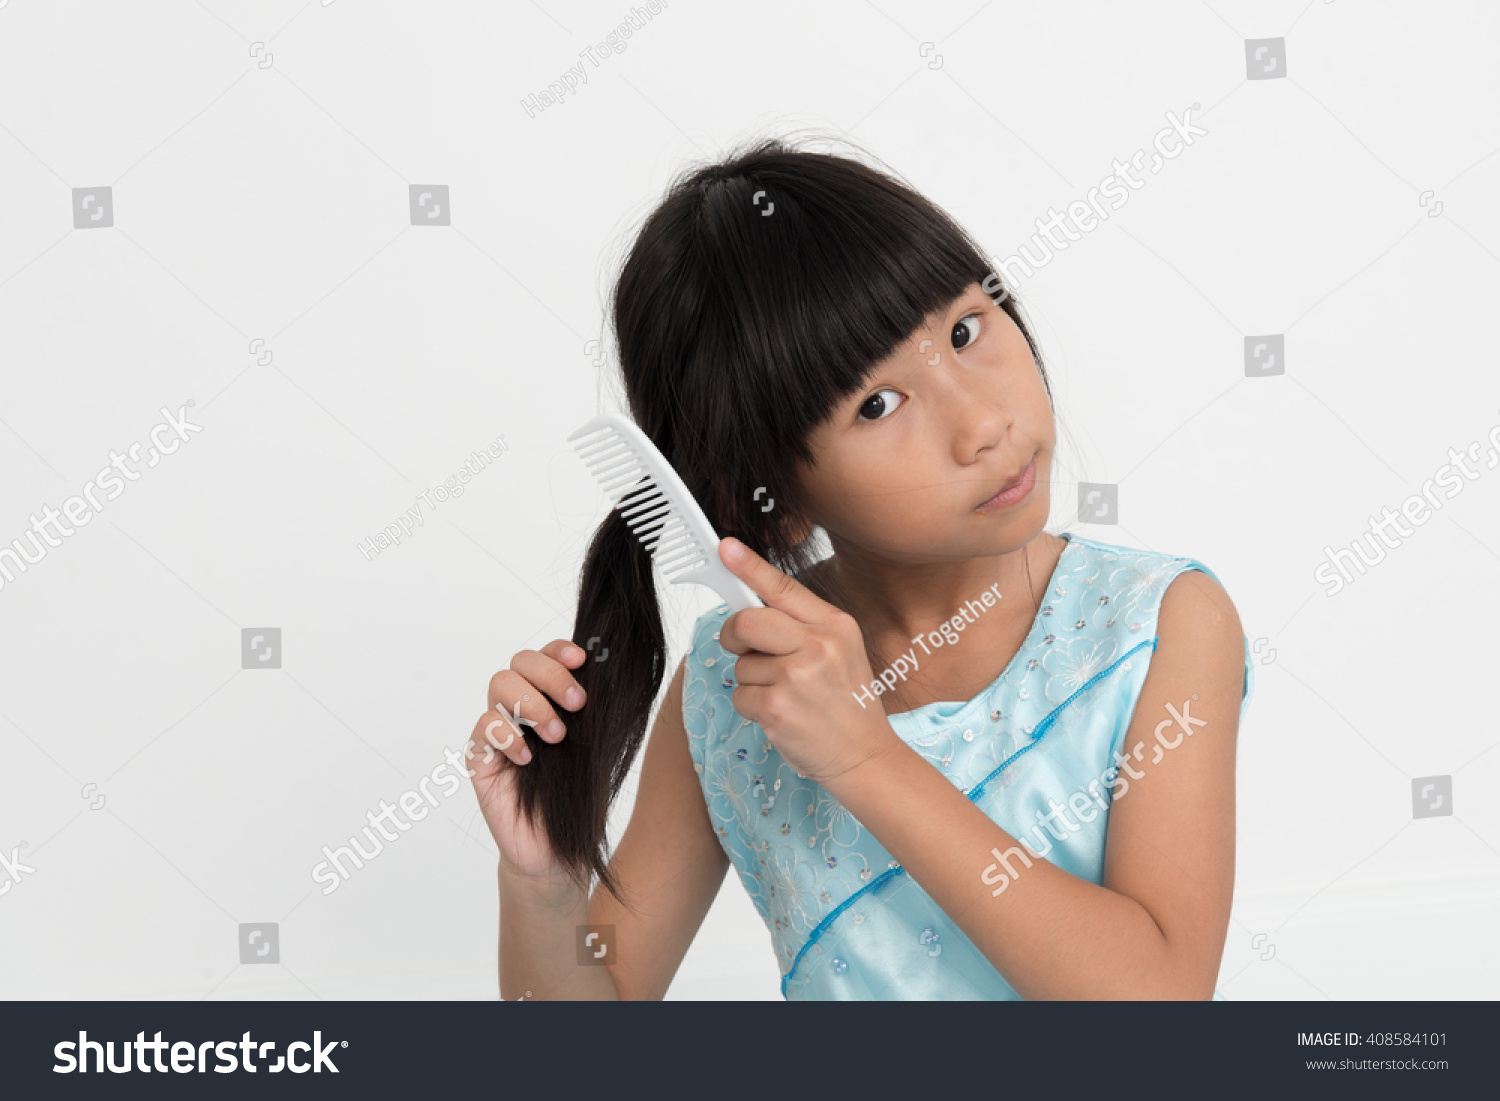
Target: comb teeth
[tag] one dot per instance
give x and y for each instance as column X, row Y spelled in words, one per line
column 658, row 507
column 647, row 510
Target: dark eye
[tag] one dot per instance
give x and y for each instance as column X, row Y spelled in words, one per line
column 877, row 405
column 963, row 326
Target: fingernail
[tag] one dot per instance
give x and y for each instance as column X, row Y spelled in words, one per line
column 525, row 755
column 733, row 548
column 574, row 653
column 554, row 730
column 574, row 698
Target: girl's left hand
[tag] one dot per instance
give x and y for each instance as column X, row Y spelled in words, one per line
column 802, row 661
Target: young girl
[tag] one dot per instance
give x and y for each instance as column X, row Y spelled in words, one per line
column 959, row 758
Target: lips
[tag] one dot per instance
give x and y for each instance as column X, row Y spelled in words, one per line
column 1009, row 484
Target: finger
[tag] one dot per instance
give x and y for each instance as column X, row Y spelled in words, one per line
column 570, row 654
column 494, row 741
column 749, row 702
column 779, row 591
column 559, row 680
column 764, row 630
column 757, row 670
column 516, row 698
column 549, row 670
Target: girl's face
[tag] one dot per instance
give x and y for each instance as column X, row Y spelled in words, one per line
column 904, row 464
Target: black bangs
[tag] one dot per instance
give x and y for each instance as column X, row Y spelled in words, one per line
column 760, row 294
column 757, row 295
column 820, row 268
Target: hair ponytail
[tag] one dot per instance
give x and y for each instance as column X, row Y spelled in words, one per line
column 571, row 785
column 740, row 324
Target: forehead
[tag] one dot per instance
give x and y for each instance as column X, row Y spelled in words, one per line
column 973, row 295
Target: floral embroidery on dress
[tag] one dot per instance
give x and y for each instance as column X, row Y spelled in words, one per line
column 793, row 887
column 824, row 885
column 1072, row 666
column 834, row 818
column 694, row 691
column 727, row 787
column 1142, row 583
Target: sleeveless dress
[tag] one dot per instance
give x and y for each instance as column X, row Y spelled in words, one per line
column 1043, row 742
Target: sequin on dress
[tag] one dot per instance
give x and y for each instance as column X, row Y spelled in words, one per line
column 1039, row 751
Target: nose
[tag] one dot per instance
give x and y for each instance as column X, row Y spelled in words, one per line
column 977, row 419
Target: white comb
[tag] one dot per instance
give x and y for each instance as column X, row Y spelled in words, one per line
column 661, row 511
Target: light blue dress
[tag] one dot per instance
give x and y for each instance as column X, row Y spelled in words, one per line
column 1040, row 751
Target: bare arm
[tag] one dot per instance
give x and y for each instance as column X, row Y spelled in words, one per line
column 670, row 867
column 1155, row 928
column 538, row 957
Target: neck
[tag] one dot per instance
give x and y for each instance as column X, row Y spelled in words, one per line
column 895, row 601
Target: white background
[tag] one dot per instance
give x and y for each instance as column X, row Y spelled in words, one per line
column 271, row 202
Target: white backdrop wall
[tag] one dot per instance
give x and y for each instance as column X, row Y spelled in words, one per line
column 211, row 210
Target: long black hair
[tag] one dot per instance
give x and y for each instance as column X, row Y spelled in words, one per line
column 759, row 293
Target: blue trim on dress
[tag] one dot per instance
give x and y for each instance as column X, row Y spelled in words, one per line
column 1046, row 724
column 972, row 794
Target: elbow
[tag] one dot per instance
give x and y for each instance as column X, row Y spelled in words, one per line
column 1181, row 974
column 1188, row 983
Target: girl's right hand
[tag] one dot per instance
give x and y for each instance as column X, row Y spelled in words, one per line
column 514, row 695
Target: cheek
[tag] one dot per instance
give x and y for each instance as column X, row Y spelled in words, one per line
column 862, row 482
column 860, row 495
column 1033, row 409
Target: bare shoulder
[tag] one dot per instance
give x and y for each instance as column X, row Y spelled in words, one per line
column 1171, row 832
column 1200, row 650
column 1196, row 612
